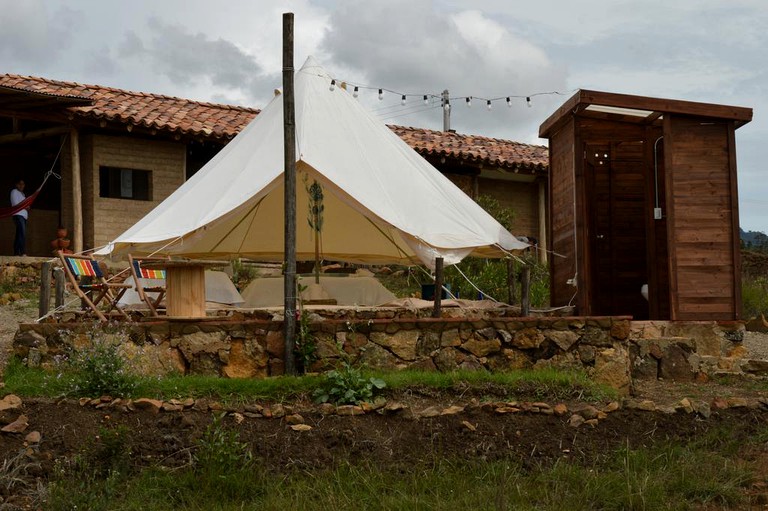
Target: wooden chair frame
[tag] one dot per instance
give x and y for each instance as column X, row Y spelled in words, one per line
column 139, row 273
column 86, row 266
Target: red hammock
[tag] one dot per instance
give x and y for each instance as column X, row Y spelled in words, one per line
column 27, row 202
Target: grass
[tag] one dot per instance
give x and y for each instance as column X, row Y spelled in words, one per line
column 540, row 384
column 665, row 477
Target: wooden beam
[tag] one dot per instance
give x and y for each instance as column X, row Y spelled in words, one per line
column 77, row 193
column 677, row 106
column 23, row 136
column 559, row 117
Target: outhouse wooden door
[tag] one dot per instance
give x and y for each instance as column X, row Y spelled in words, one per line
column 616, row 230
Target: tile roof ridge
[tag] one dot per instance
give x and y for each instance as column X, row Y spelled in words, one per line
column 94, row 87
column 464, row 135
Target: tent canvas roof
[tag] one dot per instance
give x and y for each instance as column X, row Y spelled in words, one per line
column 383, row 203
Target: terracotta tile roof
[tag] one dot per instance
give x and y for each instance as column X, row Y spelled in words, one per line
column 476, row 149
column 210, row 120
column 147, row 110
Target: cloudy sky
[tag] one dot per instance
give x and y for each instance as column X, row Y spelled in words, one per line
column 700, row 50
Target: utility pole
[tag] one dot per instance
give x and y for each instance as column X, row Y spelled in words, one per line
column 289, row 154
column 446, row 111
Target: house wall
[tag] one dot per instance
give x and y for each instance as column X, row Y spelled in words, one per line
column 106, row 218
column 519, row 194
column 521, row 197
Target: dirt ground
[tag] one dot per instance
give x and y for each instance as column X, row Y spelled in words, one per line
column 393, row 439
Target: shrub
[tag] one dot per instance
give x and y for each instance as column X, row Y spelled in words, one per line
column 754, row 296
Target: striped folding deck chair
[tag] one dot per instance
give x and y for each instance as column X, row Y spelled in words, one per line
column 154, row 293
column 87, row 278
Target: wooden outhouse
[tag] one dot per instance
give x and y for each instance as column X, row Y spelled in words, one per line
column 644, row 215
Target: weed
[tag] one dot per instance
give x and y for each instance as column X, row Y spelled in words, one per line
column 220, row 451
column 305, row 346
column 98, row 370
column 347, row 385
column 15, row 473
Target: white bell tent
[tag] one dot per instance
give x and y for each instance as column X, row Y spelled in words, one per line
column 383, row 203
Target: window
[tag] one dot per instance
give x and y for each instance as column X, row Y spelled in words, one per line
column 119, row 183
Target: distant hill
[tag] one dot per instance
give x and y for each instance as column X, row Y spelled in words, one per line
column 754, row 240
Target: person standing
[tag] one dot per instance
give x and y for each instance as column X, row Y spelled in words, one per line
column 19, row 219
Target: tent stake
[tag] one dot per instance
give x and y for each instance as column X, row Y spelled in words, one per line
column 289, row 147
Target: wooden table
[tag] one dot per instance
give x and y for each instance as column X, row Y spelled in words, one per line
column 185, row 286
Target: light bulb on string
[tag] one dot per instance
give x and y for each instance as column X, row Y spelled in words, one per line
column 509, row 102
column 528, row 101
column 333, row 85
column 469, row 102
column 426, row 100
column 402, row 100
column 447, row 105
column 489, row 104
column 381, row 94
column 356, row 92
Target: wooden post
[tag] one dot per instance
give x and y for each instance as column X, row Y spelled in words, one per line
column 45, row 289
column 58, row 277
column 289, row 155
column 511, row 281
column 542, row 255
column 438, row 287
column 77, row 193
column 525, row 291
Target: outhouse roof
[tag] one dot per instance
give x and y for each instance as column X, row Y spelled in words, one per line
column 641, row 109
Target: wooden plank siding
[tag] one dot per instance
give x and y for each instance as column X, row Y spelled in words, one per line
column 562, row 223
column 701, row 197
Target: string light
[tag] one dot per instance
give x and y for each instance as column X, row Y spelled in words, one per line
column 446, row 101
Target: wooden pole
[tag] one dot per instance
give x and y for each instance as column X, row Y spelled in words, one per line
column 511, row 283
column 58, row 277
column 438, row 287
column 77, row 193
column 525, row 291
column 542, row 251
column 45, row 289
column 289, row 154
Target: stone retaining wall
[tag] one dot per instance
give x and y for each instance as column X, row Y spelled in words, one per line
column 612, row 350
column 250, row 348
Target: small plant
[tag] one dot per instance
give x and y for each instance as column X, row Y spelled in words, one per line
column 220, row 451
column 305, row 347
column 99, row 370
column 242, row 274
column 347, row 385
